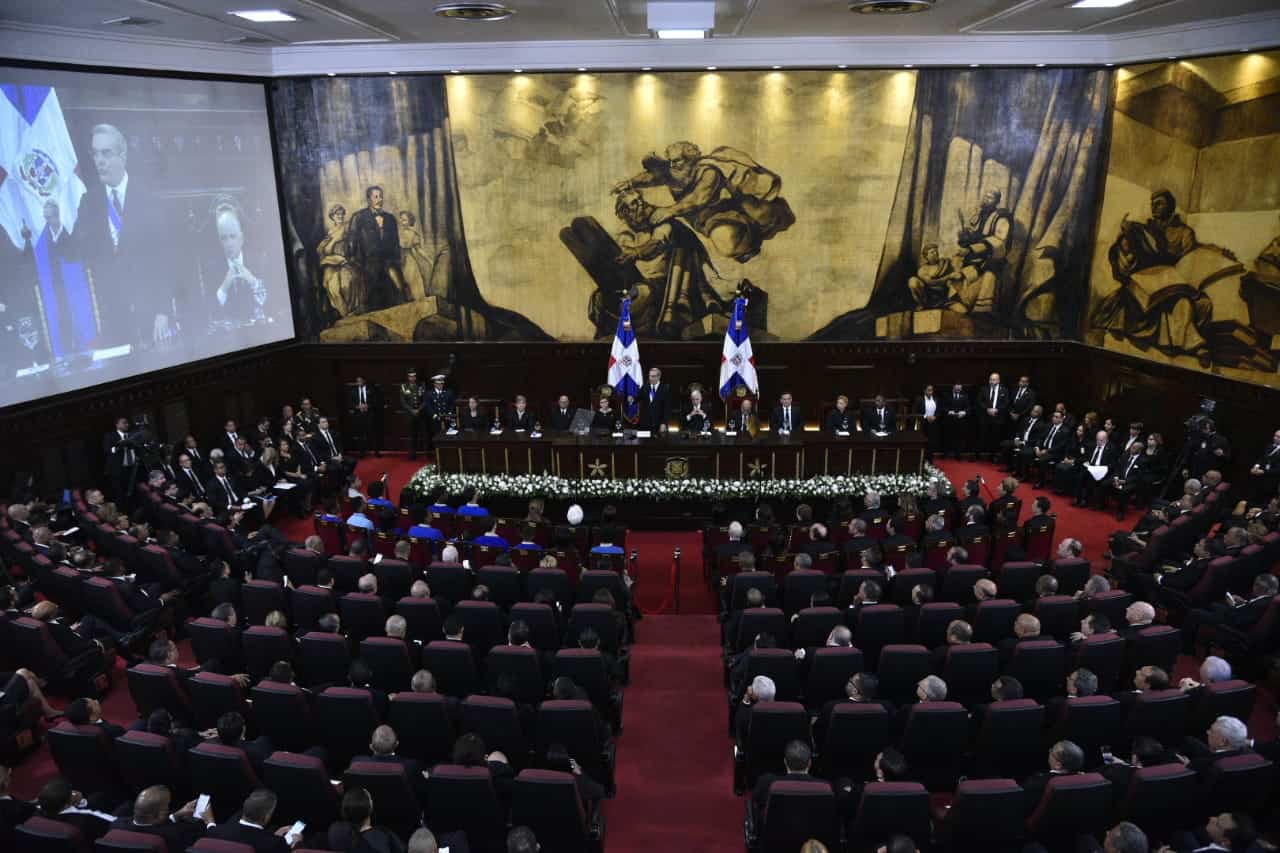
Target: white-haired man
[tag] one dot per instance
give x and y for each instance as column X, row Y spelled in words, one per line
column 1226, row 737
column 761, row 689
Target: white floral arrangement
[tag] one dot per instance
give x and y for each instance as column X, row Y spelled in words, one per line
column 562, row 488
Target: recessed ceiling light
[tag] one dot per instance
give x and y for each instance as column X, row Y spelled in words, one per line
column 518, row 70
column 1246, row 50
column 842, row 66
column 454, row 71
column 777, row 67
column 1039, row 65
column 647, row 68
column 974, row 65
column 711, row 68
column 473, row 10
column 1111, row 64
column 909, row 65
column 582, row 69
column 1099, row 4
column 392, row 73
column 681, row 34
column 264, row 16
column 331, row 74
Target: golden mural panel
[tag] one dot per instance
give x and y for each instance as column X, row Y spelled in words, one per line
column 1186, row 264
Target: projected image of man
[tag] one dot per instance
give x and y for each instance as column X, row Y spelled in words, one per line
column 241, row 293
column 124, row 246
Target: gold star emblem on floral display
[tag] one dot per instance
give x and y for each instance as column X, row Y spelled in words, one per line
column 597, row 467
column 757, row 469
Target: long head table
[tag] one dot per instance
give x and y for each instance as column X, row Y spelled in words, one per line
column 679, row 456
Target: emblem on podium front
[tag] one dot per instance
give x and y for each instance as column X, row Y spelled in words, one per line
column 677, row 468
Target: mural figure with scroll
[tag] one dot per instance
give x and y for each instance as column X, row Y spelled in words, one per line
column 1178, row 295
column 984, row 242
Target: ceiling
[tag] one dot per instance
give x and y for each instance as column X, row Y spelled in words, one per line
column 372, row 36
column 412, row 21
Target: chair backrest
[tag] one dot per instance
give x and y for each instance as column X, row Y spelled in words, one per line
column 309, row 604
column 462, row 799
column 1238, row 782
column 1160, row 714
column 424, row 724
column 984, row 812
column 1234, row 698
column 1017, row 580
column 856, row 734
column 505, row 583
column 453, row 665
column 522, row 670
column 1103, row 655
column 887, row 808
column 957, row 584
column 993, row 620
column 147, row 759
column 741, row 583
column 969, row 669
column 259, row 597
column 587, row 669
column 544, row 631
column 395, row 577
column 223, row 772
column 547, row 802
column 1111, row 604
column 363, row 615
column 771, row 726
column 778, row 665
column 422, row 618
column 262, row 647
column 448, row 581
column 1158, row 645
column 282, row 712
column 796, row 812
column 1039, row 541
column 213, row 695
column 326, row 658
column 901, row 668
column 388, row 658
column 84, row 757
column 1059, row 616
column 133, row 842
column 907, row 579
column 1072, row 804
column 153, row 687
column 496, row 720
column 302, row 784
column 213, row 639
column 813, row 625
column 932, row 622
column 830, row 668
column 877, row 626
column 1072, row 573
column 1160, row 797
column 391, row 789
column 42, row 835
column 482, row 624
column 1038, row 665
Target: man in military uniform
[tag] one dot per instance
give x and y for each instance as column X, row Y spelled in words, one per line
column 413, row 402
column 441, row 408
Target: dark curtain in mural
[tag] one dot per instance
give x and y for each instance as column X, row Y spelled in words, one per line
column 336, row 137
column 1034, row 135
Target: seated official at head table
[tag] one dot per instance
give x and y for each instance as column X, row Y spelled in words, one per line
column 840, row 419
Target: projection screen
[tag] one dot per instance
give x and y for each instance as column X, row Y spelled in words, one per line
column 141, row 228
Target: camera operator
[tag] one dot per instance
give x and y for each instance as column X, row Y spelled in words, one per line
column 123, row 449
column 1208, row 450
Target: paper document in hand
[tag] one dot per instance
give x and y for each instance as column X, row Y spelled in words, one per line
column 1098, row 471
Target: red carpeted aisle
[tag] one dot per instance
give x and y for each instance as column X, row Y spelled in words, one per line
column 675, row 771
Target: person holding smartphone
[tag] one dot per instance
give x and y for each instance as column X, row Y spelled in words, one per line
column 180, row 829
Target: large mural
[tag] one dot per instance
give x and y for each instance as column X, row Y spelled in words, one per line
column 844, row 204
column 1186, row 264
column 1139, row 208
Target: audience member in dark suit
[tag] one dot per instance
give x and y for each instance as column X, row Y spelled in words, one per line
column 1022, row 399
column 1065, row 759
column 88, row 712
column 1146, row 752
column 797, row 759
column 1101, row 454
column 1127, row 477
column 992, row 402
column 928, row 407
column 382, row 748
column 1080, row 683
column 1003, row 510
column 1025, row 434
column 151, row 817
column 1026, row 629
column 1048, row 451
column 840, row 419
column 879, row 417
column 1234, row 831
column 473, row 418
column 57, row 801
column 253, row 826
column 1227, row 737
column 1240, row 614
column 1264, row 474
column 959, row 633
column 862, row 688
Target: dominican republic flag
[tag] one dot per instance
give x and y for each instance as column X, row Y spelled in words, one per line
column 37, row 161
column 737, row 364
column 625, row 374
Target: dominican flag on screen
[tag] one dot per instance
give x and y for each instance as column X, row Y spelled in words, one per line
column 37, row 161
column 624, row 365
column 737, row 364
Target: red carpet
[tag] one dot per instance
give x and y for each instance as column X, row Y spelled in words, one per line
column 675, row 770
column 1090, row 526
column 657, row 588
